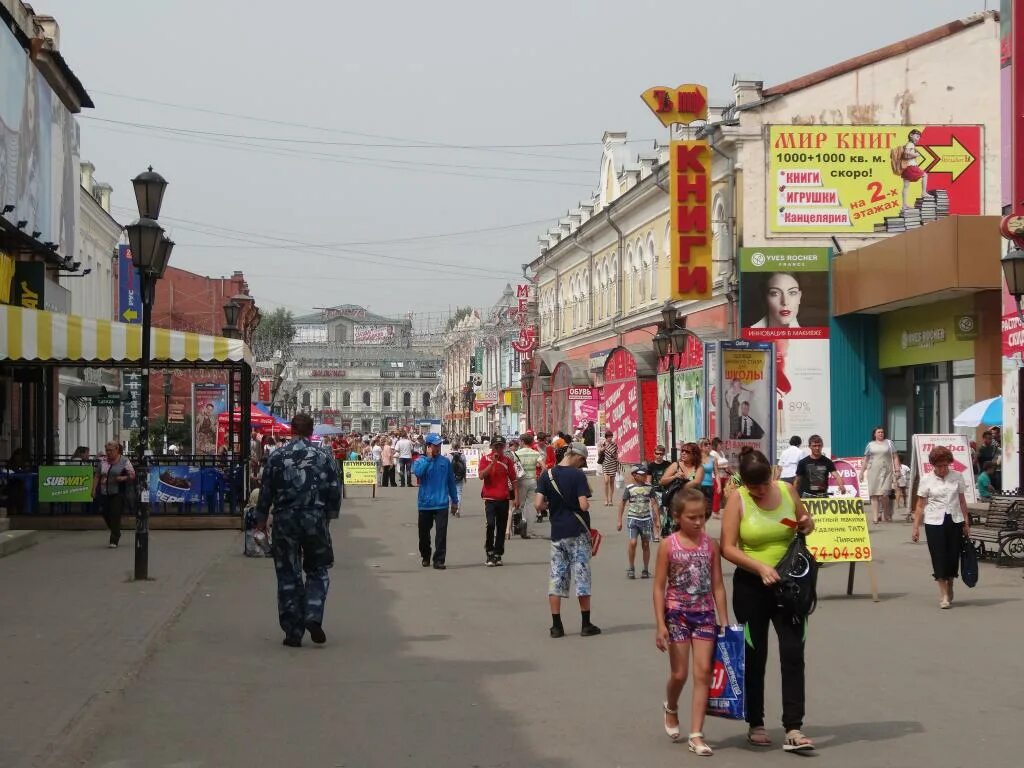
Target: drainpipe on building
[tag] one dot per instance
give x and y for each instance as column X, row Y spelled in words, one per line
column 618, row 277
column 729, row 282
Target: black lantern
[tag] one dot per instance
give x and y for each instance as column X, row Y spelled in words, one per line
column 149, row 193
column 1013, row 271
column 662, row 342
column 144, row 236
column 231, row 314
column 163, row 256
column 168, row 383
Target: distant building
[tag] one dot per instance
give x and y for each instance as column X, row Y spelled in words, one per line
column 360, row 371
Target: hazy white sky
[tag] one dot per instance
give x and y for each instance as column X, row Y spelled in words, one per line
column 305, row 198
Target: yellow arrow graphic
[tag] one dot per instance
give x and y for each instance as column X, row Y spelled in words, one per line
column 130, row 314
column 953, row 158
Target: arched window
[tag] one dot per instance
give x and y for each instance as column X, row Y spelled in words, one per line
column 386, row 400
column 721, row 239
column 613, row 279
column 366, row 397
column 325, row 398
column 306, row 399
column 346, row 399
column 426, row 400
column 407, row 399
column 654, row 266
column 627, row 277
column 643, row 264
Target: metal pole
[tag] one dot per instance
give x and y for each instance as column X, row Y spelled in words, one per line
column 167, row 421
column 672, row 401
column 141, row 509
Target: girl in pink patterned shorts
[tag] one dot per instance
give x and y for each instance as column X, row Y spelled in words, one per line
column 688, row 592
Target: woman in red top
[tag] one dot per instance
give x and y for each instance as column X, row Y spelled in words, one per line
column 499, row 475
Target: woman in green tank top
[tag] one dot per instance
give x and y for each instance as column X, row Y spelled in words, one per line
column 758, row 524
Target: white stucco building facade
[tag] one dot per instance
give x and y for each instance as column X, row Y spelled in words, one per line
column 92, row 294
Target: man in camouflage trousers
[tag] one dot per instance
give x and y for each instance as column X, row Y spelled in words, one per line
column 301, row 483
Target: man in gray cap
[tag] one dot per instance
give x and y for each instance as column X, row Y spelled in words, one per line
column 564, row 491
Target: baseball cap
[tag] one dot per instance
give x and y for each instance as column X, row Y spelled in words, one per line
column 497, row 440
column 580, row 449
column 433, row 439
column 639, row 469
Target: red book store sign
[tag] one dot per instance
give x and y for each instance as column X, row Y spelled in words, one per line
column 689, row 198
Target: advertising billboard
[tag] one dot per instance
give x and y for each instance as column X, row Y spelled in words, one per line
column 785, row 297
column 208, row 402
column 65, row 483
column 129, row 288
column 748, row 407
column 373, row 334
column 39, row 160
column 851, row 178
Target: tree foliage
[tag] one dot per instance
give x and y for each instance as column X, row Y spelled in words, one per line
column 460, row 314
column 275, row 332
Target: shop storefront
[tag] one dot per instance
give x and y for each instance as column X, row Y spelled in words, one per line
column 629, row 400
column 916, row 334
column 574, row 400
column 926, row 356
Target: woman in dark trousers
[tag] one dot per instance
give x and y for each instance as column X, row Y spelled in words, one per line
column 757, row 528
column 114, row 481
column 942, row 506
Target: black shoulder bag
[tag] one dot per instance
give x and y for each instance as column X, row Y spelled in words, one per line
column 797, row 589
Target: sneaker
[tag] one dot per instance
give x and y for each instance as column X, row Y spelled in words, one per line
column 439, row 566
column 557, row 632
column 489, row 562
column 425, row 562
column 292, row 642
column 630, row 573
column 645, row 574
column 111, row 546
column 497, row 560
column 590, row 630
column 316, row 632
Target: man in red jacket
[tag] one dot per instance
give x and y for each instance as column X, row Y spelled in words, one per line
column 499, row 475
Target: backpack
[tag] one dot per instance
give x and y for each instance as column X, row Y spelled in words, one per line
column 797, row 589
column 459, row 466
column 896, row 160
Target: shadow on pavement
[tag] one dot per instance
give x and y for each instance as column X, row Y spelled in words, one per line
column 223, row 692
column 830, row 736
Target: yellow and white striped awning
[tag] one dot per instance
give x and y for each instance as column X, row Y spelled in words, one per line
column 32, row 334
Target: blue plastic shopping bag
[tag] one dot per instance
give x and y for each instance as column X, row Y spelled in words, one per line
column 726, row 698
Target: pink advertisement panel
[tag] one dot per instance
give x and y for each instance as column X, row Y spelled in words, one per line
column 622, row 416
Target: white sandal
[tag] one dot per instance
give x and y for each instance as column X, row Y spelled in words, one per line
column 797, row 742
column 701, row 750
column 672, row 731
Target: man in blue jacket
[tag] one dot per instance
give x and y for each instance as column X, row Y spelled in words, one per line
column 437, row 493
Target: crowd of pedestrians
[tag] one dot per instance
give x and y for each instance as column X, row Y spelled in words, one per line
column 666, row 500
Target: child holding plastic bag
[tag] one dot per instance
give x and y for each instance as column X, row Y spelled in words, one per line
column 688, row 594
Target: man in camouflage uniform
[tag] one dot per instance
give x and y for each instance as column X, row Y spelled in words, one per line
column 301, row 483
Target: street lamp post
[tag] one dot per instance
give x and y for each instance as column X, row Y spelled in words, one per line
column 670, row 340
column 151, row 250
column 168, row 383
column 1013, row 272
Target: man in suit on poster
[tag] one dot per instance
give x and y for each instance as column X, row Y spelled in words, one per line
column 748, row 428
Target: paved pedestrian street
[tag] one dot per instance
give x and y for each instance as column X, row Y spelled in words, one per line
column 455, row 668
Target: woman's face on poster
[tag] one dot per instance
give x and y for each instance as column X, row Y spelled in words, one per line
column 783, row 299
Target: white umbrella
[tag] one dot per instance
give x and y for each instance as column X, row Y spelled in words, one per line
column 987, row 412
